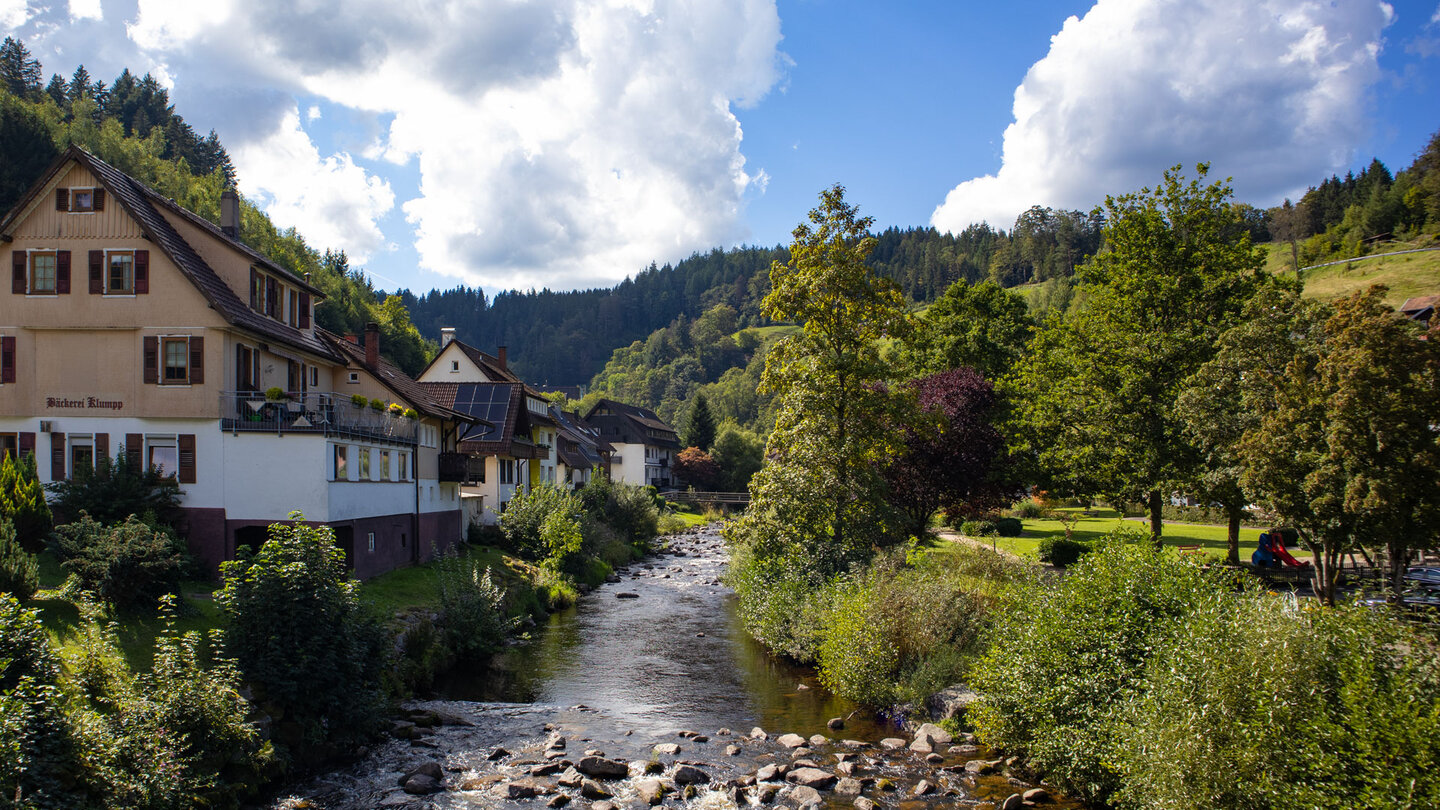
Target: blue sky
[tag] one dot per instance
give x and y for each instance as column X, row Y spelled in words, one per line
column 567, row 143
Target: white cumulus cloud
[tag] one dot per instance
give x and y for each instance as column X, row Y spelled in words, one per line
column 86, row 10
column 13, row 13
column 330, row 200
column 1271, row 92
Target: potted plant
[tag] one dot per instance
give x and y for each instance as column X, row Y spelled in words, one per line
column 396, row 410
column 377, row 405
column 275, row 394
column 411, row 413
column 358, row 400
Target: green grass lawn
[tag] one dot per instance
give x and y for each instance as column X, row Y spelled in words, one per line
column 691, row 517
column 1406, row 276
column 1210, row 538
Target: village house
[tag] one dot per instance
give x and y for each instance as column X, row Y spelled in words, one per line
column 644, row 447
column 136, row 327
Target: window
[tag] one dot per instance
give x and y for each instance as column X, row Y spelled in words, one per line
column 342, row 472
column 42, row 272
column 371, row 541
column 120, row 273
column 314, row 376
column 294, row 307
column 164, row 454
column 364, row 464
column 403, row 467
column 82, row 200
column 354, row 377
column 82, row 455
column 385, row 465
column 507, row 471
column 176, row 355
column 454, row 365
column 9, row 445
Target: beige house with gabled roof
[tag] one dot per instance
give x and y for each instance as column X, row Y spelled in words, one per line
column 135, row 326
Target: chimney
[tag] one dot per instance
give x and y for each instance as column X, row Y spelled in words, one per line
column 230, row 213
column 500, row 355
column 447, row 335
column 372, row 344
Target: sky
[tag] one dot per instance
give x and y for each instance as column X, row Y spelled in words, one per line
column 571, row 143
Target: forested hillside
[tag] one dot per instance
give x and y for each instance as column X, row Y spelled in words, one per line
column 132, row 125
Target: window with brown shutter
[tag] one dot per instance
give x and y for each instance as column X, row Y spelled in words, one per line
column 62, row 199
column 186, row 441
column 142, row 272
column 102, row 450
column 43, row 276
column 152, row 360
column 304, row 310
column 272, row 297
column 197, row 360
column 175, row 361
column 27, row 444
column 97, row 272
column 254, row 290
column 57, row 456
column 62, row 272
column 7, row 359
column 82, row 200
column 99, row 199
column 134, row 450
column 17, row 272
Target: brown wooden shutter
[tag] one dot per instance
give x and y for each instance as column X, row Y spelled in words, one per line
column 304, row 310
column 142, row 272
column 197, row 360
column 187, row 458
column 134, row 450
column 102, row 450
column 62, row 199
column 7, row 359
column 152, row 360
column 242, row 367
column 99, row 199
column 254, row 290
column 27, row 444
column 62, row 272
column 57, row 456
column 97, row 272
column 272, row 294
column 17, row 277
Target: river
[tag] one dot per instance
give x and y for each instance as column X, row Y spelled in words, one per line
column 658, row 657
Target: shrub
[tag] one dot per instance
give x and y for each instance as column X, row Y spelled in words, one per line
column 358, row 400
column 1029, row 510
column 484, row 534
column 300, row 637
column 564, row 544
column 127, row 566
column 1009, row 527
column 979, row 528
column 1265, row 703
column 377, row 405
column 22, row 500
column 115, row 490
column 525, row 515
column 1062, row 552
column 472, row 607
column 1066, row 657
column 19, row 570
column 629, row 509
column 40, row 756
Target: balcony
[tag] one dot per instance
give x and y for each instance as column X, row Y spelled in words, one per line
column 455, row 468
column 314, row 412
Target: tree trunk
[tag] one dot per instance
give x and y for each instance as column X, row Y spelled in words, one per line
column 1232, row 535
column 1157, row 521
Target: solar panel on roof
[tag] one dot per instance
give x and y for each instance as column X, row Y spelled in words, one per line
column 486, row 401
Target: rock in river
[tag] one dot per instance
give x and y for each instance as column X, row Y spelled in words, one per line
column 811, row 777
column 793, row 740
column 690, row 775
column 602, row 768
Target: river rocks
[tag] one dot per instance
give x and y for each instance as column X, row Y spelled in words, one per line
column 603, row 806
column 934, row 759
column 791, row 740
column 498, row 753
column 769, row 772
column 1012, row 802
column 570, row 778
column 922, row 745
column 818, row 740
column 835, row 723
column 732, row 750
column 862, row 803
column 420, row 785
column 643, row 766
column 650, row 791
column 402, row 729
column 951, row 702
column 766, row 794
column 666, row 749
column 803, row 796
column 925, row 788
column 758, row 733
column 602, row 768
column 556, row 743
column 690, row 775
column 519, row 789
column 892, row 743
column 937, row 735
column 804, row 763
column 964, row 750
column 558, row 800
column 627, row 595
column 591, row 789
column 981, row 767
column 846, row 768
column 1037, row 795
column 849, row 787
column 546, row 769
column 811, row 777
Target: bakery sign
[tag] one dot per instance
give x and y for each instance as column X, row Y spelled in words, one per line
column 83, row 403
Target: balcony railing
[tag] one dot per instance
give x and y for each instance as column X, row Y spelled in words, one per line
column 455, row 468
column 313, row 412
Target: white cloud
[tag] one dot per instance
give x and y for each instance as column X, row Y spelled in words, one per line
column 13, row 13
column 312, row 114
column 330, row 200
column 85, row 10
column 1272, row 93
column 558, row 143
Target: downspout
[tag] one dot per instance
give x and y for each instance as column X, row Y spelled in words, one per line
column 415, row 515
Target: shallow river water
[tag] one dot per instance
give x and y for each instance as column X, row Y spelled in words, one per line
column 657, row 658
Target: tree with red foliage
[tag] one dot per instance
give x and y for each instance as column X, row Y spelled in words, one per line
column 955, row 459
column 696, row 468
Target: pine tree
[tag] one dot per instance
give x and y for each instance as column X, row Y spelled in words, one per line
column 700, row 427
column 56, row 90
column 22, row 500
column 79, row 84
column 19, row 570
column 19, row 71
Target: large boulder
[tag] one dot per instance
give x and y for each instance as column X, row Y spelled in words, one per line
column 803, row 796
column 650, row 791
column 811, row 777
column 951, row 702
column 602, row 768
column 690, row 775
column 791, row 740
column 938, row 736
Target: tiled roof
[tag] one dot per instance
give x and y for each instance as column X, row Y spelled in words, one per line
column 1421, row 307
column 140, row 201
column 487, row 363
column 632, row 424
column 501, row 406
column 420, row 395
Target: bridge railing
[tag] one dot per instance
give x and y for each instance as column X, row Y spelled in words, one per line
column 695, row 496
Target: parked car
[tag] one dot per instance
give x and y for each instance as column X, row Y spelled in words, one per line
column 1427, row 577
